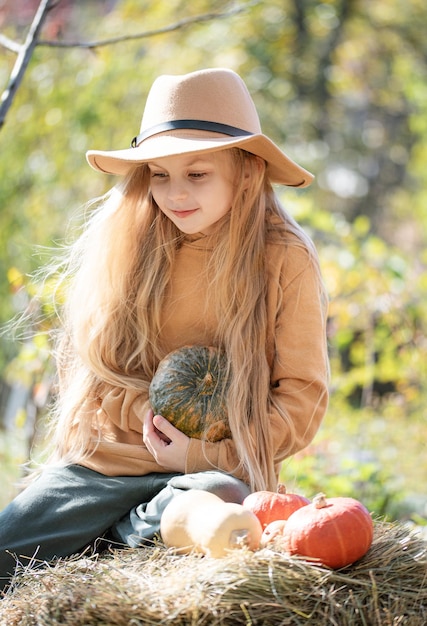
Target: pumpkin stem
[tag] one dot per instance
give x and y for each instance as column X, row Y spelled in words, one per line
column 319, row 501
column 208, row 379
column 281, row 488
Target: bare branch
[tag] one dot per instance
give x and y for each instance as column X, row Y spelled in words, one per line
column 25, row 50
column 23, row 58
column 205, row 17
column 9, row 44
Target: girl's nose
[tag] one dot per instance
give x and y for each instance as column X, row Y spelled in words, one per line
column 176, row 191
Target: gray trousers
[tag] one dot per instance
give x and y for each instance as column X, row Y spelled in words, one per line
column 67, row 508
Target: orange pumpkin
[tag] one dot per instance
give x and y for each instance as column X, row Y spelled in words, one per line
column 334, row 531
column 270, row 506
column 272, row 532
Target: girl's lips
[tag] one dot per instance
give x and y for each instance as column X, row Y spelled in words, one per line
column 184, row 213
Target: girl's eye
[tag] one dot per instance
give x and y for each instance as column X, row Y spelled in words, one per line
column 197, row 175
column 158, row 175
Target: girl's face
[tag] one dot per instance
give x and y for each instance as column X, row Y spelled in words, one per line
column 194, row 191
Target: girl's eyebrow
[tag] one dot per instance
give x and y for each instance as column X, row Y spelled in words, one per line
column 192, row 163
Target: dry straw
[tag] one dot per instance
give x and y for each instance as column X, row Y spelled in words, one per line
column 152, row 585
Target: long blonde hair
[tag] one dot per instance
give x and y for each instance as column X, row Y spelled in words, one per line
column 117, row 274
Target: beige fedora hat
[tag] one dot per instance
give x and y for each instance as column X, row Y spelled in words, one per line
column 207, row 110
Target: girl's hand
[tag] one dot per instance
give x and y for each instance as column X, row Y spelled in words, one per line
column 167, row 444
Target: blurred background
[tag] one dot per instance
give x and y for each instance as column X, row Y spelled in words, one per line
column 342, row 86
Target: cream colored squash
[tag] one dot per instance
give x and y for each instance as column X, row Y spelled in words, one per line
column 174, row 528
column 202, row 522
column 220, row 528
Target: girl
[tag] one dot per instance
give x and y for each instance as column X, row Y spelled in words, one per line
column 190, row 248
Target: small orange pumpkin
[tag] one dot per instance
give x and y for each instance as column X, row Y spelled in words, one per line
column 270, row 506
column 334, row 531
column 272, row 532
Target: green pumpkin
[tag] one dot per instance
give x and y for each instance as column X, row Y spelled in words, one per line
column 189, row 390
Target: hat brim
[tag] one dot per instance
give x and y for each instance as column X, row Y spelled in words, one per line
column 281, row 169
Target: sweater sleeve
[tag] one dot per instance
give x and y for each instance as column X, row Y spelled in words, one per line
column 299, row 370
column 121, row 451
column 300, row 373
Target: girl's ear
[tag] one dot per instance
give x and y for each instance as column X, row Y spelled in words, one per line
column 259, row 164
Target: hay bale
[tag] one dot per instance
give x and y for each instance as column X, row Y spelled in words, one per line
column 152, row 585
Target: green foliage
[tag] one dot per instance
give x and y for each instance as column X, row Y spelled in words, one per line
column 371, row 444
column 13, row 454
column 373, row 455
